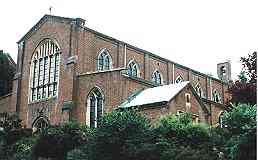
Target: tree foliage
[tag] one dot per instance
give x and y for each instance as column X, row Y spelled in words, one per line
column 121, row 135
column 249, row 66
column 129, row 135
column 241, row 124
column 64, row 138
column 7, row 71
column 243, row 90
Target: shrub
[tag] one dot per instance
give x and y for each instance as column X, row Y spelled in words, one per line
column 240, row 119
column 56, row 141
column 180, row 129
column 121, row 135
column 76, row 154
column 241, row 124
column 188, row 153
column 22, row 149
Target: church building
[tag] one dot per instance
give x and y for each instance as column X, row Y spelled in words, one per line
column 66, row 71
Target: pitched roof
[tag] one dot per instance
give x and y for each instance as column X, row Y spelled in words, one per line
column 46, row 17
column 41, row 21
column 155, row 95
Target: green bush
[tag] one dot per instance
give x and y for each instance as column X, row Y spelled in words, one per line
column 241, row 124
column 240, row 119
column 188, row 153
column 77, row 154
column 181, row 129
column 21, row 150
column 121, row 135
column 56, row 141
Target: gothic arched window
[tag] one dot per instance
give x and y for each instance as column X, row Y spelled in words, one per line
column 39, row 124
column 198, row 90
column 157, row 77
column 216, row 96
column 104, row 60
column 95, row 107
column 221, row 121
column 44, row 71
column 133, row 69
column 179, row 79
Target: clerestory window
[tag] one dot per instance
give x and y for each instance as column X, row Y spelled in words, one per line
column 216, row 96
column 198, row 90
column 157, row 77
column 104, row 60
column 133, row 69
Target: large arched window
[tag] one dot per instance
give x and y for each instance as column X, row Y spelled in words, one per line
column 44, row 71
column 133, row 69
column 157, row 77
column 179, row 79
column 94, row 107
column 39, row 124
column 198, row 89
column 216, row 96
column 104, row 60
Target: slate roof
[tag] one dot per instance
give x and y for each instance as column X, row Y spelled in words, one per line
column 158, row 94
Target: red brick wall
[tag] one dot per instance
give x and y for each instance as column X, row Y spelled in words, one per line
column 89, row 49
column 5, row 102
column 181, row 71
column 59, row 32
column 198, row 79
column 131, row 54
column 161, row 66
column 116, row 89
column 216, row 109
column 154, row 113
column 179, row 103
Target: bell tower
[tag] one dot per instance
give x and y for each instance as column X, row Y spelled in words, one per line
column 224, row 71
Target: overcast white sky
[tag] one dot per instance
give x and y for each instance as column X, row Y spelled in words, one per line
column 195, row 33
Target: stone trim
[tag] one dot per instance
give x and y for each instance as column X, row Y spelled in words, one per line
column 97, row 72
column 5, row 96
column 17, row 76
column 72, row 60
